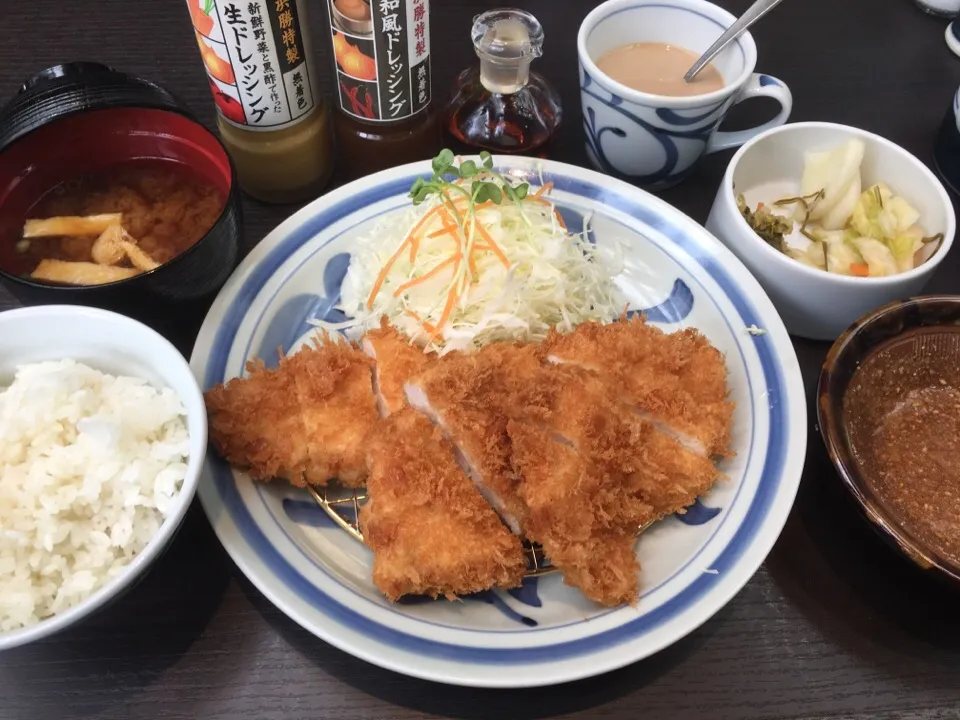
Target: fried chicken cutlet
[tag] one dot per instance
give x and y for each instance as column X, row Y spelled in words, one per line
column 460, row 393
column 397, row 362
column 430, row 530
column 304, row 421
column 678, row 380
column 584, row 518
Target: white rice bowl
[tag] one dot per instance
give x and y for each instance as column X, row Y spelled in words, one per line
column 90, row 466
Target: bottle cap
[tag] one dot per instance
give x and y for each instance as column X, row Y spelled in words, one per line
column 506, row 41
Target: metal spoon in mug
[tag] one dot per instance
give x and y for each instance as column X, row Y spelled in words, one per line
column 753, row 13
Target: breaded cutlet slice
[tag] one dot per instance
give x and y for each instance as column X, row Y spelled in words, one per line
column 304, row 421
column 585, row 519
column 462, row 394
column 256, row 425
column 604, row 567
column 430, row 530
column 334, row 386
column 577, row 406
column 678, row 380
column 397, row 362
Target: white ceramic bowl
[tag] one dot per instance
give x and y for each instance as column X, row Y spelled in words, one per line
column 115, row 344
column 813, row 303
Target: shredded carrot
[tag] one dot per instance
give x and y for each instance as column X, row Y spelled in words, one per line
column 426, row 326
column 415, row 240
column 427, row 275
column 493, row 245
column 448, row 210
column 423, row 221
column 560, row 221
column 383, row 273
column 546, row 187
column 414, row 243
column 447, row 309
column 860, row 269
column 445, row 230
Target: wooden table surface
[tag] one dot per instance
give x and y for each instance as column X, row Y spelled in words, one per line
column 834, row 625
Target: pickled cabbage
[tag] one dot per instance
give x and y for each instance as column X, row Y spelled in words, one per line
column 834, row 172
column 852, row 231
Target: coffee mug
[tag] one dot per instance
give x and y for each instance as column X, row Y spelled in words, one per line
column 656, row 140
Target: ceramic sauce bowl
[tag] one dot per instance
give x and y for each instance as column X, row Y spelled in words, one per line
column 897, row 354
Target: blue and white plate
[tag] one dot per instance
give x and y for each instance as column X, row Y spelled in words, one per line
column 544, row 632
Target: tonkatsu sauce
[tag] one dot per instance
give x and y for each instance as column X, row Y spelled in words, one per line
column 902, row 413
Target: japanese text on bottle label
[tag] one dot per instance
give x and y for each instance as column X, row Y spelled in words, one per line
column 254, row 54
column 382, row 55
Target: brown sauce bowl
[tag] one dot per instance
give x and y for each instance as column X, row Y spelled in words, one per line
column 86, row 140
column 849, row 352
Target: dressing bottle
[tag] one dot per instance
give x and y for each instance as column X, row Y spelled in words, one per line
column 271, row 117
column 502, row 106
column 381, row 59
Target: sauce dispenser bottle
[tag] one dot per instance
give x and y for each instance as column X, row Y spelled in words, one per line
column 381, row 60
column 271, row 117
column 501, row 105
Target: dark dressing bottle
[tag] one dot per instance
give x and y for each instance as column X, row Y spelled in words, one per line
column 502, row 106
column 381, row 54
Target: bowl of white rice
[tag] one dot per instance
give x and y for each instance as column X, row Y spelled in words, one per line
column 103, row 432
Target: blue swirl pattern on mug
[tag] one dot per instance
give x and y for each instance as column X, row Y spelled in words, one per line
column 696, row 128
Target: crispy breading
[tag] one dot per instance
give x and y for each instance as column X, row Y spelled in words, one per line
column 304, row 421
column 334, row 385
column 430, row 530
column 604, row 566
column 576, row 405
column 678, row 380
column 460, row 393
column 256, row 425
column 584, row 518
column 397, row 362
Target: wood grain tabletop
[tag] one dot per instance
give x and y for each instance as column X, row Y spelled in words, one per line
column 834, row 625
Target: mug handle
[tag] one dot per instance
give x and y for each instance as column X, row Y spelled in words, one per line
column 757, row 86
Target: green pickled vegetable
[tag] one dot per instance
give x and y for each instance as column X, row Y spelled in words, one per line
column 767, row 225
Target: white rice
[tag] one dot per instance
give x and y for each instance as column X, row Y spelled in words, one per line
column 90, row 465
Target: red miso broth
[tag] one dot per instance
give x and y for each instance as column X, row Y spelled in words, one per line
column 166, row 205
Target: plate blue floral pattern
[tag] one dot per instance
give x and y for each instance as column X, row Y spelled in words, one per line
column 678, row 276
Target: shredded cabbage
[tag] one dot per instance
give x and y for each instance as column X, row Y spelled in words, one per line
column 546, row 276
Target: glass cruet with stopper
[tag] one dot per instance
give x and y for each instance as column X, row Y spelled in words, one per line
column 502, row 106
